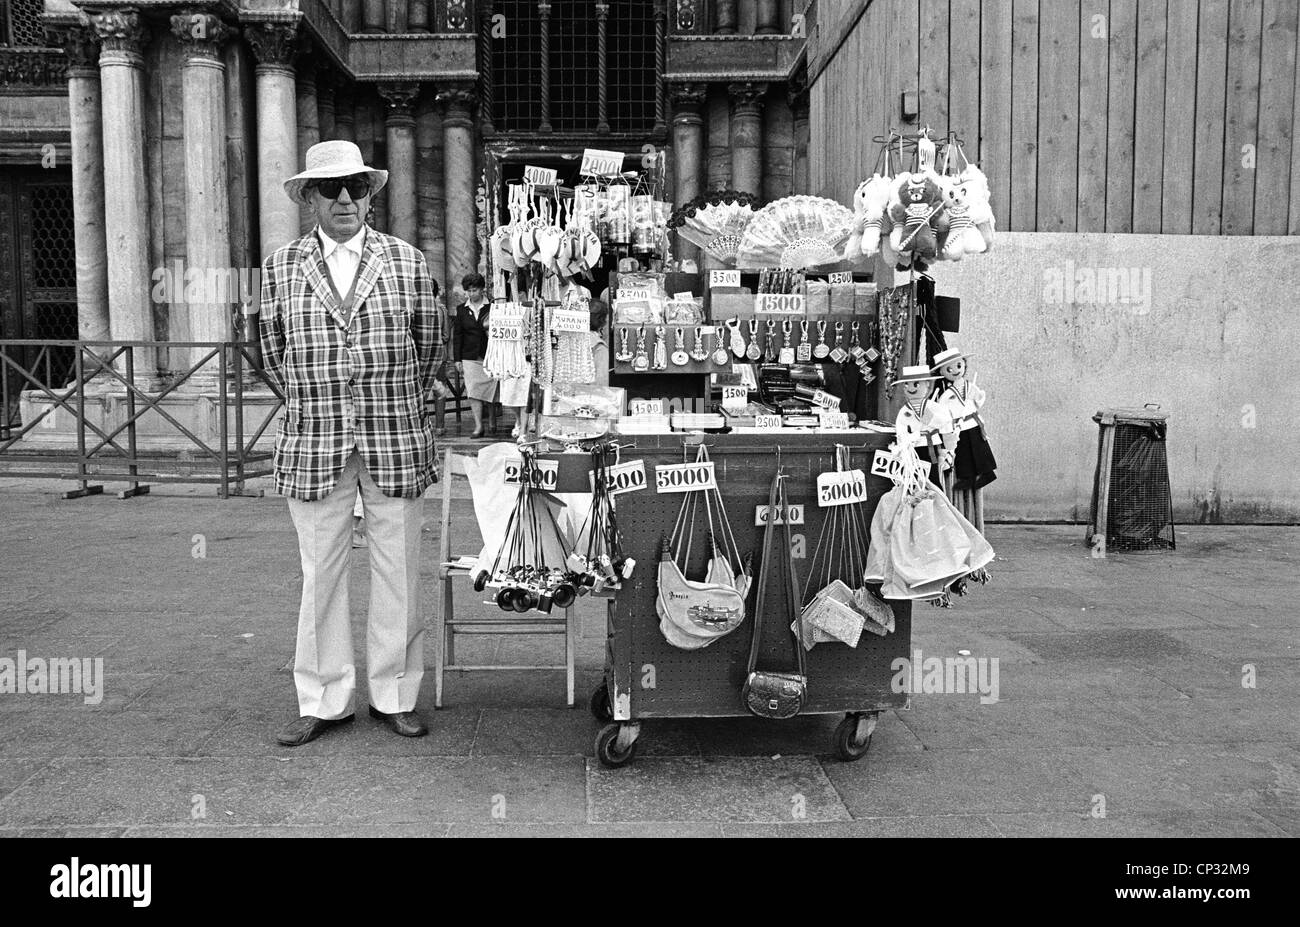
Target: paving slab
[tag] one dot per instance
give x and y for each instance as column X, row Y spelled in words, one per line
column 404, row 790
column 935, row 825
column 801, row 736
column 62, row 833
column 116, row 692
column 299, row 831
column 1045, row 682
column 963, row 722
column 670, row 831
column 572, row 732
column 241, row 686
column 251, row 732
column 14, row 773
column 1110, row 644
column 80, row 733
column 1168, row 824
column 752, row 790
column 127, row 791
column 1212, row 721
column 1244, row 644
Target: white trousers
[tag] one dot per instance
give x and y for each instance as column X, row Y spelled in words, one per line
column 324, row 670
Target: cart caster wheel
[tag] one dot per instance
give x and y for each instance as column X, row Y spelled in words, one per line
column 480, row 581
column 607, row 750
column 601, row 709
column 847, row 747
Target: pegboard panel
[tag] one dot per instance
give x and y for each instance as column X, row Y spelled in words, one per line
column 665, row 681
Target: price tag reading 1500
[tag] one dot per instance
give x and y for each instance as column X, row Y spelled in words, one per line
column 687, row 477
column 843, row 487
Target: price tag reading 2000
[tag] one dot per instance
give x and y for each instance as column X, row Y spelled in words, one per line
column 686, row 477
column 843, row 487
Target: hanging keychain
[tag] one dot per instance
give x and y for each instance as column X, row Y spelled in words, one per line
column 787, row 348
column 822, row 349
column 771, row 355
column 642, row 361
column 624, row 355
column 753, row 352
column 661, row 349
column 680, row 358
column 804, row 352
column 698, row 352
column 838, row 354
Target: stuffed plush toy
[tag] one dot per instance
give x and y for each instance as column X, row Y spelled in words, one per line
column 962, row 238
column 916, row 200
column 872, row 200
column 977, row 202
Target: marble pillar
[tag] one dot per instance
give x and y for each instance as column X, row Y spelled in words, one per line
column 778, row 149
column 241, row 133
column 87, row 136
column 308, row 119
column 459, row 183
column 417, row 16
column 373, row 16
column 277, row 136
column 747, row 136
column 799, row 110
column 399, row 98
column 396, row 14
column 122, row 35
column 768, row 17
column 431, row 203
column 326, row 80
column 207, row 208
column 726, row 19
column 688, row 153
column 718, row 117
column 345, row 115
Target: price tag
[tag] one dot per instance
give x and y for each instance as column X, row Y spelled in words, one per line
column 843, row 487
column 735, row 397
column 781, row 303
column 895, row 467
column 687, row 477
column 633, row 294
column 687, row 297
column 546, row 475
column 793, row 514
column 825, row 400
column 539, row 176
column 624, row 477
column 505, row 331
column 571, row 320
column 599, row 163
column 724, row 278
column 645, row 407
column 767, row 422
column 835, row 420
column 840, row 278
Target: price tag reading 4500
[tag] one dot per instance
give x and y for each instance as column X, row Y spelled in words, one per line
column 686, row 477
column 545, row 476
column 843, row 487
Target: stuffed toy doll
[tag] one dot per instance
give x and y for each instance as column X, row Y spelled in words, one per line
column 872, row 202
column 974, row 465
column 962, row 238
column 977, row 202
column 923, row 423
column 915, row 201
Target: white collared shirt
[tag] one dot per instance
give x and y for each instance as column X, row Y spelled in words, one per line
column 342, row 259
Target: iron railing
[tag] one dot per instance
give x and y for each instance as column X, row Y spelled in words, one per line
column 97, row 363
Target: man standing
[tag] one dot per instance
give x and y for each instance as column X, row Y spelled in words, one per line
column 351, row 334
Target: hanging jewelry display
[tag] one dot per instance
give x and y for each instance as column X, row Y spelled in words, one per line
column 624, row 355
column 897, row 308
column 822, row 350
column 641, row 362
column 753, row 352
column 698, row 352
column 804, row 352
column 786, row 356
column 661, row 349
column 680, row 358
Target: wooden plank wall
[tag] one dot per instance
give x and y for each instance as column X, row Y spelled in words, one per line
column 1155, row 116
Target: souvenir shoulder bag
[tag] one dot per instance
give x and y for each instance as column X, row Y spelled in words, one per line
column 766, row 693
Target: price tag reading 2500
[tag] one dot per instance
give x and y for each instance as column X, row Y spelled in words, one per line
column 545, row 475
column 843, row 487
column 686, row 477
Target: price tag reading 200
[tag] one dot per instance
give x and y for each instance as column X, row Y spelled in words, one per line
column 624, row 477
column 843, row 487
column 686, row 477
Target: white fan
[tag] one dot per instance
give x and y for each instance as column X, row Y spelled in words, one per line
column 795, row 232
column 714, row 222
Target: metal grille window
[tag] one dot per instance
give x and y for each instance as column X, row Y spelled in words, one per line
column 20, row 23
column 572, row 67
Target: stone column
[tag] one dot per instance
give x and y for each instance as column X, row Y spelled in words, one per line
column 778, row 149
column 725, row 17
column 661, row 62
column 396, row 16
column 241, row 132
column 277, row 136
column 373, row 16
column 769, row 16
column 747, row 136
column 345, row 115
column 325, row 82
column 602, row 79
column 87, row 135
column 458, row 182
column 431, row 203
column 417, row 16
column 544, row 73
column 486, row 128
column 308, row 119
column 207, row 209
column 718, row 115
column 400, row 124
column 688, row 152
column 122, row 35
column 799, row 109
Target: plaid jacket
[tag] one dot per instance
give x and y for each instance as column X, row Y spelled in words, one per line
column 351, row 383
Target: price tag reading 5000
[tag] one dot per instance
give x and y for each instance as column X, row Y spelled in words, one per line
column 686, row 477
column 545, row 475
column 843, row 487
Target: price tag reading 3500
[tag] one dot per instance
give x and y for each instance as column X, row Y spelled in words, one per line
column 686, row 477
column 843, row 487
column 545, row 475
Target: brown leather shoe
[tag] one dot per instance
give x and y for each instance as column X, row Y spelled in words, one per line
column 307, row 728
column 406, row 723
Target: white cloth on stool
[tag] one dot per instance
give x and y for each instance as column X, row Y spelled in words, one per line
column 324, row 667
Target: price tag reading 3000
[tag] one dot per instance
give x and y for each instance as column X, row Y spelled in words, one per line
column 843, row 487
column 686, row 477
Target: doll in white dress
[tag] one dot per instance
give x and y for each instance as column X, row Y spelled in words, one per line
column 924, row 423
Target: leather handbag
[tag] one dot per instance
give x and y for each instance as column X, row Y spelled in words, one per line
column 766, row 693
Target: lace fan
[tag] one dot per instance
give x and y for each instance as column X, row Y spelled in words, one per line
column 795, row 232
column 714, row 221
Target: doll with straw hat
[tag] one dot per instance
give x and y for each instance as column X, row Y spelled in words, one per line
column 923, row 423
column 974, row 465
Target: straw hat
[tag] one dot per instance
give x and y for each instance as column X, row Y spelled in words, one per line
column 916, row 374
column 326, row 160
column 948, row 356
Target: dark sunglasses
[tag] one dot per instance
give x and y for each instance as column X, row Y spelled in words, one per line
column 357, row 187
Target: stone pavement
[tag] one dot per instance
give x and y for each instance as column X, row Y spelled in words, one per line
column 1122, row 709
